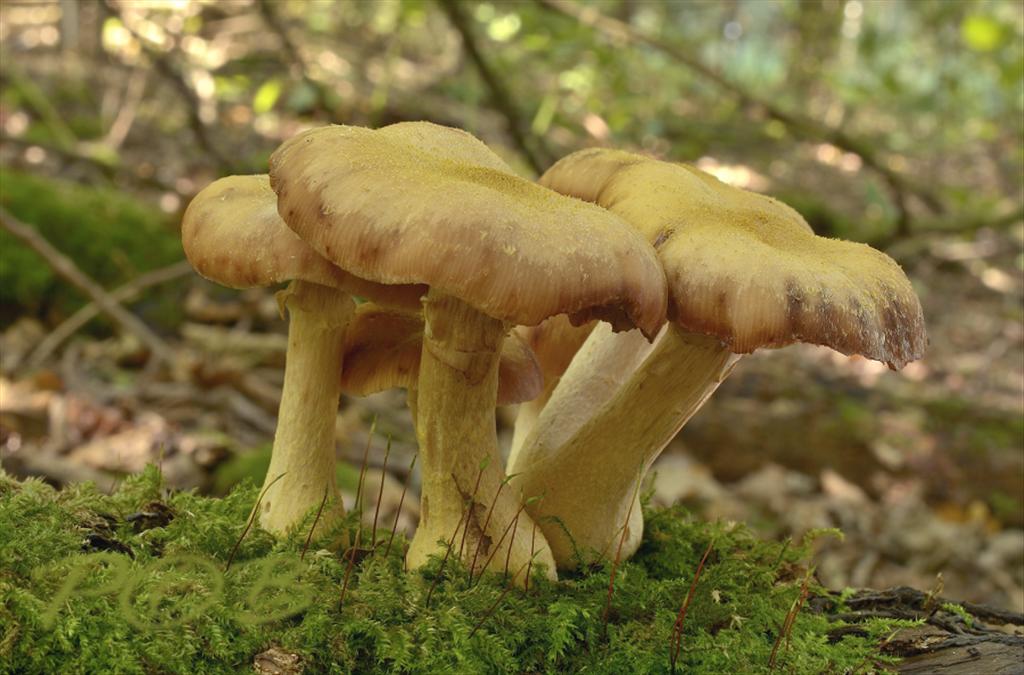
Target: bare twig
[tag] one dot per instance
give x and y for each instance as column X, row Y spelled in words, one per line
column 170, row 72
column 676, row 641
column 69, row 271
column 401, row 501
column 357, row 505
column 618, row 552
column 530, row 146
column 110, row 169
column 501, row 540
column 798, row 123
column 448, row 551
column 476, row 486
column 125, row 293
column 508, row 553
column 380, row 494
column 787, row 624
column 487, row 522
column 529, row 567
column 501, row 596
column 252, row 519
column 298, row 63
column 316, row 520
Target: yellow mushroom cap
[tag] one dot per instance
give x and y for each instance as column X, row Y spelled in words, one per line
column 383, row 347
column 421, row 203
column 747, row 268
column 233, row 235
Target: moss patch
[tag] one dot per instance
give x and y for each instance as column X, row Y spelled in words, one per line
column 135, row 583
column 113, row 238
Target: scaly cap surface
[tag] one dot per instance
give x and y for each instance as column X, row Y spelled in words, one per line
column 747, row 268
column 420, row 203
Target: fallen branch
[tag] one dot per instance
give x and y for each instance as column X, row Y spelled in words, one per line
column 125, row 293
column 69, row 271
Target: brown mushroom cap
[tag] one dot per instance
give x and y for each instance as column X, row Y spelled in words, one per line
column 747, row 268
column 383, row 348
column 421, row 203
column 233, row 235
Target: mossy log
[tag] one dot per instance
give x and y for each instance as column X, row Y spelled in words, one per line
column 953, row 638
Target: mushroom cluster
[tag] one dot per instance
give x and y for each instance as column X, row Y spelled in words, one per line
column 610, row 299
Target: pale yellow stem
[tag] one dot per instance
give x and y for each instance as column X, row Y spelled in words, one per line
column 455, row 425
column 589, row 481
column 596, row 373
column 304, row 440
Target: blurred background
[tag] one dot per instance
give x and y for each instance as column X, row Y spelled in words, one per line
column 894, row 123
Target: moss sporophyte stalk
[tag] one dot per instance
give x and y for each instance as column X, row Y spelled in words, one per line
column 158, row 598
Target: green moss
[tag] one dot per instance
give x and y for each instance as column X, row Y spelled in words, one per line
column 112, row 238
column 253, row 465
column 159, row 600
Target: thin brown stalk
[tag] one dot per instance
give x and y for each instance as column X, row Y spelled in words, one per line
column 508, row 553
column 252, row 519
column 787, row 624
column 349, row 566
column 677, row 629
column 487, row 522
column 497, row 547
column 362, row 469
column 501, row 596
column 618, row 554
column 483, row 465
column 380, row 494
column 448, row 551
column 401, row 502
column 309, row 536
column 529, row 566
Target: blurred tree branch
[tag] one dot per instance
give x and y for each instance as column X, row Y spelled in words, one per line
column 298, row 64
column 108, row 166
column 70, row 272
column 800, row 125
column 125, row 293
column 170, row 72
column 531, row 147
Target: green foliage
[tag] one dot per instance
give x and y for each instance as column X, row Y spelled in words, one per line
column 142, row 607
column 110, row 236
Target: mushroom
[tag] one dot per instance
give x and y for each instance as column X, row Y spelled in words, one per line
column 232, row 235
column 744, row 271
column 383, row 348
column 421, row 203
column 554, row 342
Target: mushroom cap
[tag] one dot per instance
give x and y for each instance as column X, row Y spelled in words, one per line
column 383, row 348
column 747, row 268
column 420, row 203
column 555, row 342
column 232, row 235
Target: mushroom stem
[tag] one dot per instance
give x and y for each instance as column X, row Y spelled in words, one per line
column 589, row 480
column 455, row 401
column 527, row 416
column 602, row 364
column 304, row 440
